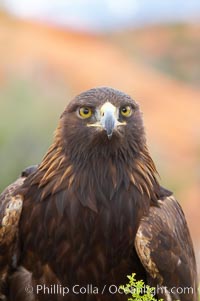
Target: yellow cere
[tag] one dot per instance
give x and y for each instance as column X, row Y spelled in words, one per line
column 126, row 111
column 85, row 112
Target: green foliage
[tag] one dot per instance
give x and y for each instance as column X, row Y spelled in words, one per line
column 138, row 290
column 29, row 116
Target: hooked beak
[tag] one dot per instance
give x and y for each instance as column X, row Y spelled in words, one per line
column 109, row 118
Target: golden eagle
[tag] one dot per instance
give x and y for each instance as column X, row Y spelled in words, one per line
column 93, row 212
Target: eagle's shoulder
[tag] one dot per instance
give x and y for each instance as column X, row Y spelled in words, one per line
column 11, row 204
column 164, row 246
column 10, row 210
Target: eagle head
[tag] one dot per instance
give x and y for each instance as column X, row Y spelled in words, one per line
column 104, row 119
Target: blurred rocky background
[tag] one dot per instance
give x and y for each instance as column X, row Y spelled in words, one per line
column 52, row 50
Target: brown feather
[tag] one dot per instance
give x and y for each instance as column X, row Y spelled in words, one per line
column 164, row 246
column 10, row 212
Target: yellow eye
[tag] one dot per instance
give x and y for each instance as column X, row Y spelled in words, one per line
column 126, row 111
column 85, row 112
